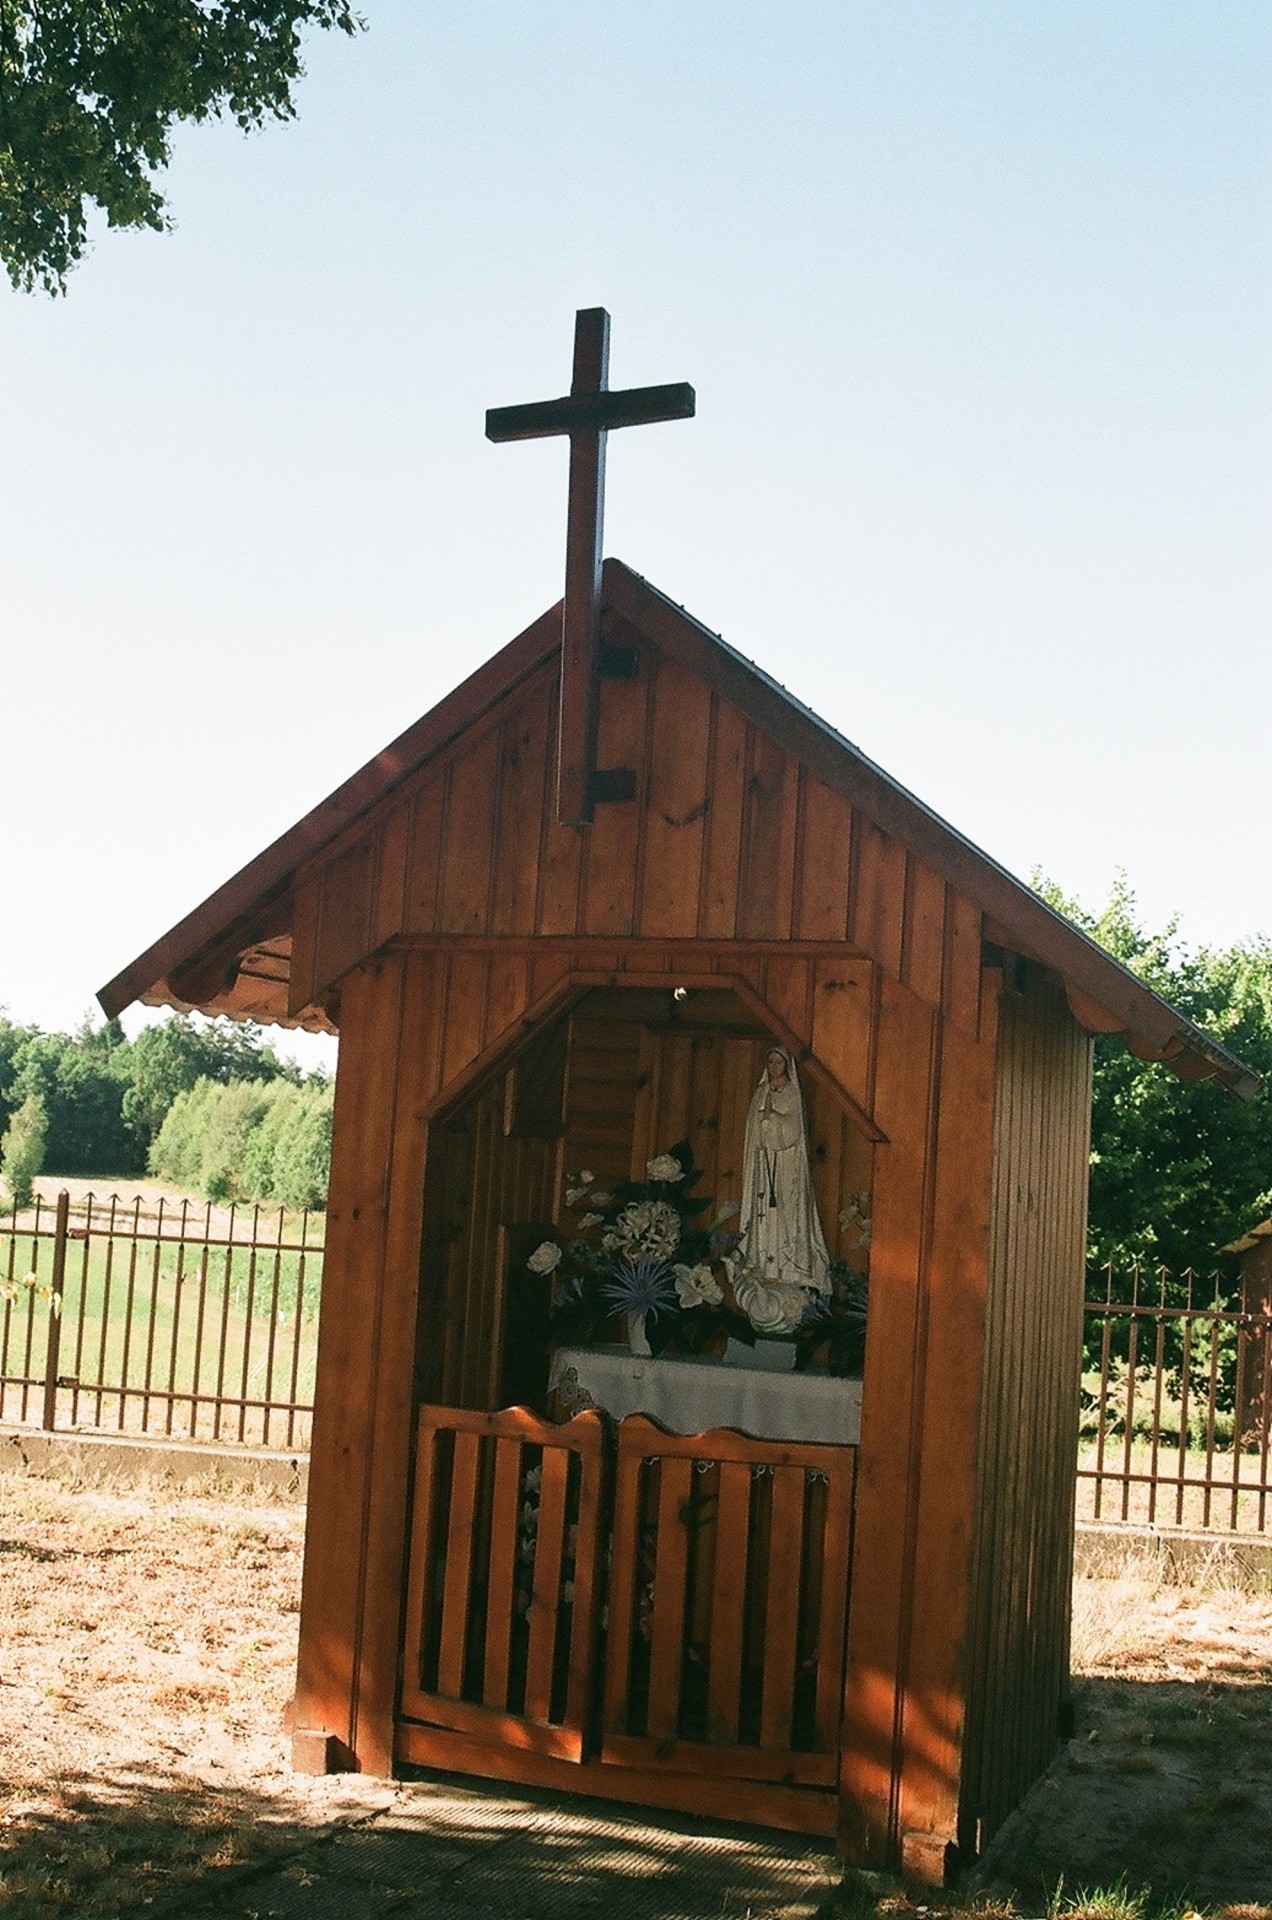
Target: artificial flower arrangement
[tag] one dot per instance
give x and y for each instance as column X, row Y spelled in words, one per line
column 640, row 1253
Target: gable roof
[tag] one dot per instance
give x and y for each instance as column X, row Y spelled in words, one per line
column 232, row 953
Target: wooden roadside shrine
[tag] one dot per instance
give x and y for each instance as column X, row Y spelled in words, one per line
column 536, row 965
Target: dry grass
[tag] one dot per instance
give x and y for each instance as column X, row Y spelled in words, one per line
column 150, row 1646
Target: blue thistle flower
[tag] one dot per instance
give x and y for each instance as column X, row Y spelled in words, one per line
column 642, row 1285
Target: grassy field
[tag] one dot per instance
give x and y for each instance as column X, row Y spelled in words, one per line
column 156, row 1328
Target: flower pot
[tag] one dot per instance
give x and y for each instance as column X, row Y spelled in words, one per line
column 773, row 1355
column 636, row 1340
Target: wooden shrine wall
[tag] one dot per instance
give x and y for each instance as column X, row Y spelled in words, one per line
column 1023, row 1567
column 422, row 1031
column 729, row 840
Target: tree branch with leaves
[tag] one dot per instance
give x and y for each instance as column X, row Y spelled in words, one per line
column 90, row 91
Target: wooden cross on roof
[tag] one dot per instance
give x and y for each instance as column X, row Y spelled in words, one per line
column 586, row 413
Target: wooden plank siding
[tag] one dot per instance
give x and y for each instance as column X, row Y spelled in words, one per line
column 741, row 876
column 1018, row 1656
column 729, row 840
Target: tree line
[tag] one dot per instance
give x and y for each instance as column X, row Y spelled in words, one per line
column 1178, row 1169
column 206, row 1105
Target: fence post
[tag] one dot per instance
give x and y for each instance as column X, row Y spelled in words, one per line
column 60, row 1227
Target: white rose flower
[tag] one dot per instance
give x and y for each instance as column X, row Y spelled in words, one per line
column 664, row 1167
column 590, row 1220
column 545, row 1258
column 697, row 1286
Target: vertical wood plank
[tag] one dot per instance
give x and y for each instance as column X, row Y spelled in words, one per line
column 546, row 1591
column 469, row 836
column 723, row 849
column 787, row 989
column 821, row 900
column 389, row 916
column 879, row 903
column 422, row 1548
column 624, row 1572
column 676, row 803
column 303, row 984
column 611, row 851
column 925, row 931
column 843, row 1024
column 344, row 934
column 505, row 1507
column 333, row 1599
column 465, row 1027
column 424, row 868
column 671, row 1572
column 523, row 800
column 963, row 963
column 728, row 1604
column 457, row 1590
column 905, row 1089
column 767, row 878
column 836, row 1562
column 781, row 1606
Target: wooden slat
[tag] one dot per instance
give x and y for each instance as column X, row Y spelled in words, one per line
column 389, row 917
column 722, row 852
column 422, row 1548
column 767, row 1804
column 666, row 1655
column 925, row 931
column 766, row 881
column 424, row 862
column 523, row 799
column 456, row 1593
column 545, row 1594
column 624, row 1572
column 612, row 850
column 737, row 1763
column 825, row 853
column 467, row 846
column 879, row 903
column 677, row 803
column 781, row 1608
column 728, row 1604
column 489, row 1724
column 963, row 963
column 833, row 1611
column 344, row 934
column 501, row 1587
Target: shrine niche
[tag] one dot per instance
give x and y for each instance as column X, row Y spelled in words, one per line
column 561, row 925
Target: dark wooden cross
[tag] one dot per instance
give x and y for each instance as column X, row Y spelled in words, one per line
column 587, row 414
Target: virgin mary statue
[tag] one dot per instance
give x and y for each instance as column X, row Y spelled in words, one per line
column 781, row 1256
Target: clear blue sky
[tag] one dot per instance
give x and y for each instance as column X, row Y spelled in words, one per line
column 976, row 301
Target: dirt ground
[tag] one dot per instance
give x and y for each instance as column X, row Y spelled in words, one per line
column 148, row 1644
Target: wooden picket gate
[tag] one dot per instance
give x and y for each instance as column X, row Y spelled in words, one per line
column 659, row 1620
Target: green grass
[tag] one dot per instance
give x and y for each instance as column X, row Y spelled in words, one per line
column 183, row 1317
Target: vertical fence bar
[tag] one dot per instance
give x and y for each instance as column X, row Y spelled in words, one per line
column 58, row 1285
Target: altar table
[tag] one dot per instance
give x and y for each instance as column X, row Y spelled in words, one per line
column 693, row 1395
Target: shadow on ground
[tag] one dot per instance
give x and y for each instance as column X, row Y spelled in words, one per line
column 438, row 1848
column 1167, row 1787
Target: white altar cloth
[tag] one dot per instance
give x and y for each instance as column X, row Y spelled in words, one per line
column 690, row 1396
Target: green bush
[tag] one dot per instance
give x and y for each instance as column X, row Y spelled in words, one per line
column 22, row 1149
column 252, row 1140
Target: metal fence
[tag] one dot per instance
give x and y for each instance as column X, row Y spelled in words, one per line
column 1176, row 1405
column 149, row 1317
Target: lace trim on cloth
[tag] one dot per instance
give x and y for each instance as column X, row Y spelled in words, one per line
column 571, row 1392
